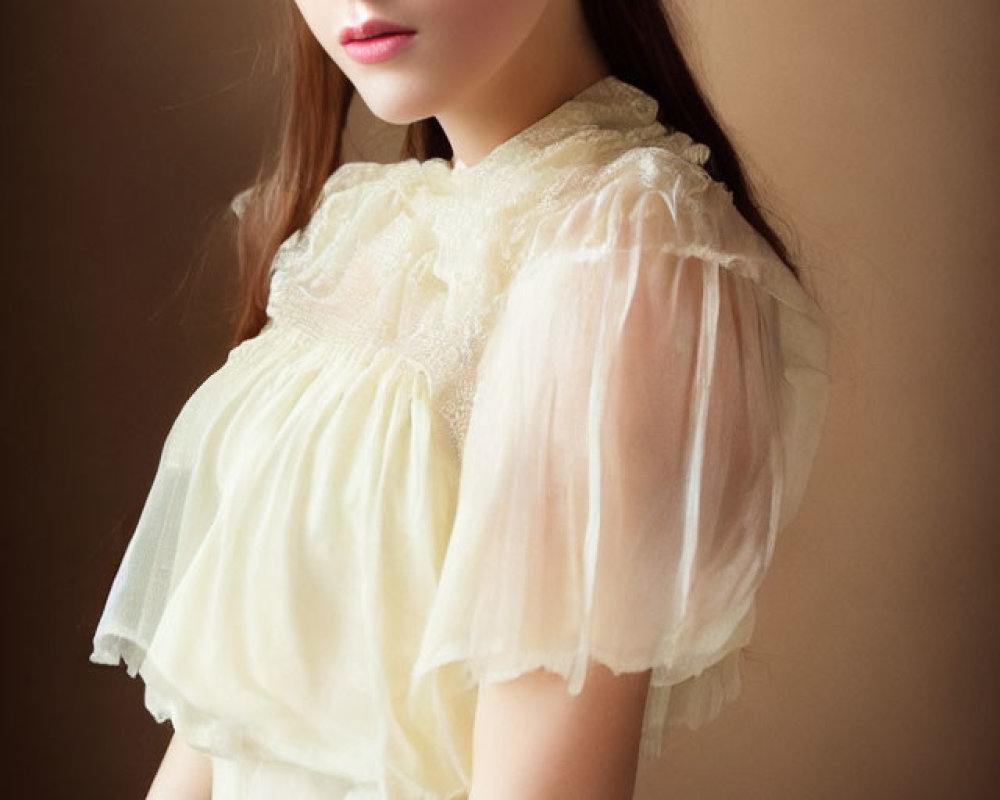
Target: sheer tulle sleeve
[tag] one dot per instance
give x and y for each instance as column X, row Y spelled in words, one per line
column 621, row 482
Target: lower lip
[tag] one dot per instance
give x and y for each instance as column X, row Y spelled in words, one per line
column 378, row 48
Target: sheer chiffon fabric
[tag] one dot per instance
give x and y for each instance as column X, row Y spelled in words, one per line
column 550, row 409
column 237, row 779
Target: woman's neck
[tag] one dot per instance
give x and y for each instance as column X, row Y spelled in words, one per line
column 557, row 61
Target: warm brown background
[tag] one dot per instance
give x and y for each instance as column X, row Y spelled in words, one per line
column 127, row 125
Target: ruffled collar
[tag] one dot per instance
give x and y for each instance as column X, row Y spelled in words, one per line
column 610, row 115
column 609, row 106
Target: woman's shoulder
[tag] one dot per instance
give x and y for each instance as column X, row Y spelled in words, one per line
column 352, row 175
column 656, row 197
column 665, row 159
column 368, row 174
column 654, row 192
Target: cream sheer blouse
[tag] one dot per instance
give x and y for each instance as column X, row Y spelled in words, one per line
column 550, row 408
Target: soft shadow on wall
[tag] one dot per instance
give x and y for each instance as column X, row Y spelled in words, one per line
column 128, row 126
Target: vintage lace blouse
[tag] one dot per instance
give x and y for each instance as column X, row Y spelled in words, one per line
column 547, row 409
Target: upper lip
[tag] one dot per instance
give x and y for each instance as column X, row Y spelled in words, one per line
column 370, row 28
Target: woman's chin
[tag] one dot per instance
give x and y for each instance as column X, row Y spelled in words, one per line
column 395, row 108
column 394, row 117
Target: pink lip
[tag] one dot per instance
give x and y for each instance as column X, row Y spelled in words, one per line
column 375, row 40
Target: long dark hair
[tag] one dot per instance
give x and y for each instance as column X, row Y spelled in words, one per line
column 636, row 39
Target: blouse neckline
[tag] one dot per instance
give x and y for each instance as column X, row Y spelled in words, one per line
column 609, row 109
column 608, row 104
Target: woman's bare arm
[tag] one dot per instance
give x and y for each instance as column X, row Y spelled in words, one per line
column 535, row 741
column 184, row 774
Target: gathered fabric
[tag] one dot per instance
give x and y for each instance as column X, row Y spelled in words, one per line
column 547, row 410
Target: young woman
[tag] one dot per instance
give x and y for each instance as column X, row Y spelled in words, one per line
column 479, row 504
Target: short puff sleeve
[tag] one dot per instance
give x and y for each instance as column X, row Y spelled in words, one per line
column 621, row 477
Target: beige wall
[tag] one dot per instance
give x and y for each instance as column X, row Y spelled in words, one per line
column 876, row 126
